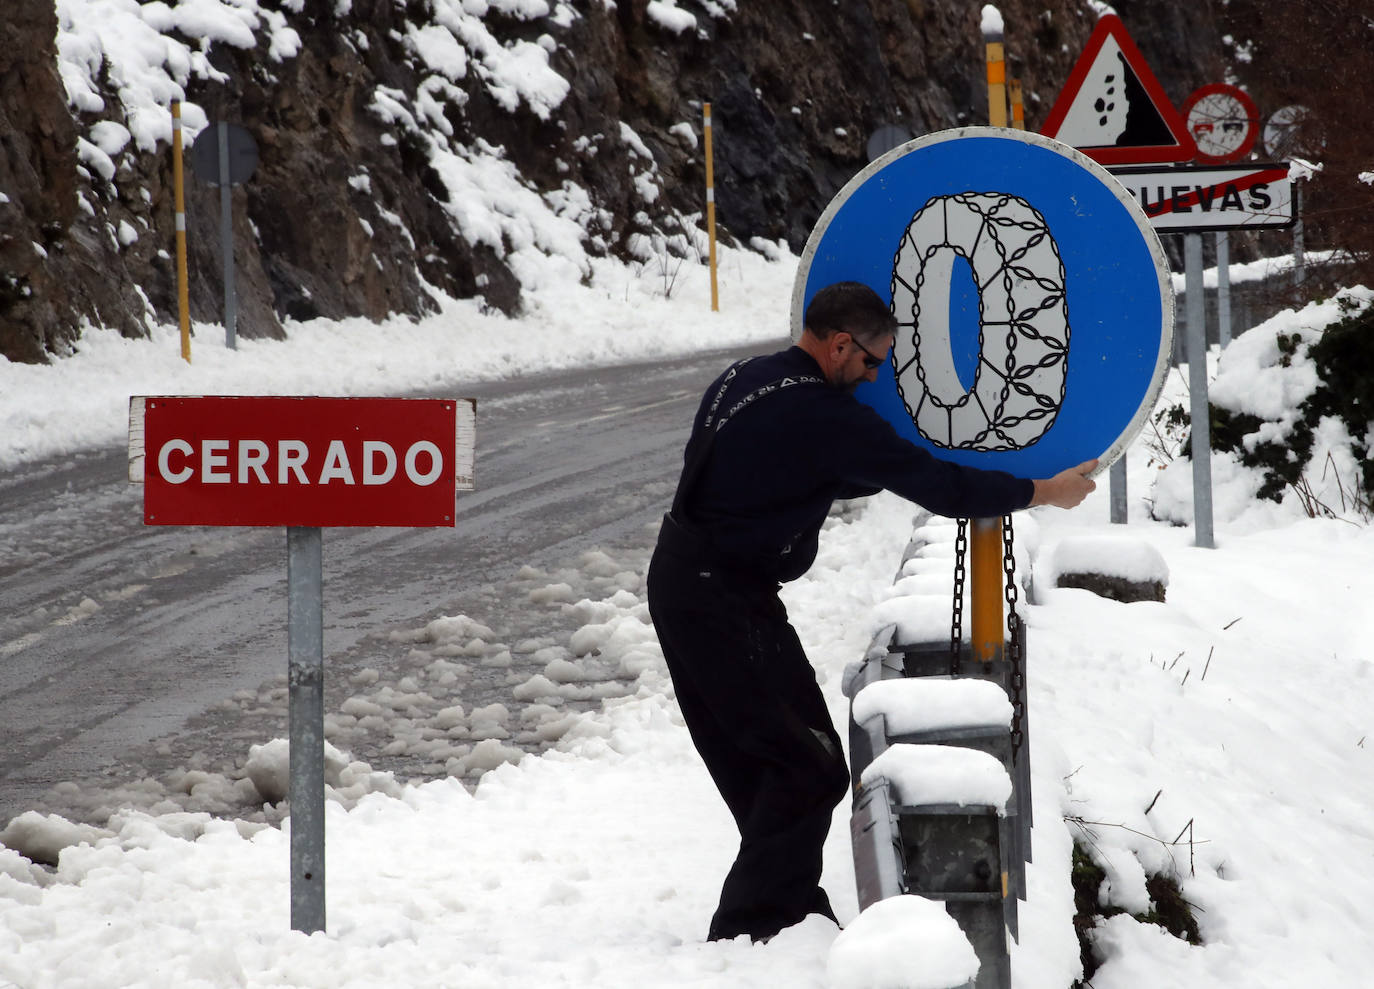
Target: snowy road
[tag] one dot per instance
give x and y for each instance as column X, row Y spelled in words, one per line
column 113, row 635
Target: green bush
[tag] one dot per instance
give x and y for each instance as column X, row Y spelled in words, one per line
column 1343, row 357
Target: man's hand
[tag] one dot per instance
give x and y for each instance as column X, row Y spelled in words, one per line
column 1067, row 488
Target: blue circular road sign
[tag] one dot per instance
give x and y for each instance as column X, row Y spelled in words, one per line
column 1035, row 314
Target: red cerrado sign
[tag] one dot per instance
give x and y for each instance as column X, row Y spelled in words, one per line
column 297, row 461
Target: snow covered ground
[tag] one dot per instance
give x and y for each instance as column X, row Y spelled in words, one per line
column 1220, row 737
column 1237, row 712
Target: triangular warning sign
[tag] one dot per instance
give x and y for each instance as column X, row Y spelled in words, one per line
column 1113, row 109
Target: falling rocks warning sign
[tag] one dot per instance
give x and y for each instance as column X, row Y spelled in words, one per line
column 1113, row 109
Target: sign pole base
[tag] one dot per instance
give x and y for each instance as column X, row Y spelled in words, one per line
column 305, row 714
column 1117, row 475
column 1197, row 392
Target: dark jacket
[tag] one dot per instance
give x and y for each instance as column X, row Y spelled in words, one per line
column 774, row 468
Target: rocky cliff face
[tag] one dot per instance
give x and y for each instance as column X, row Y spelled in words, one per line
column 39, row 259
column 471, row 146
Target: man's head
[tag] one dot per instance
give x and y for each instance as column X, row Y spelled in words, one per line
column 849, row 330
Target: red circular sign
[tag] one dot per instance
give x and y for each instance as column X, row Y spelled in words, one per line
column 1223, row 121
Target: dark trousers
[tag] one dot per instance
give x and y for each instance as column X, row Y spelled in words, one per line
column 756, row 715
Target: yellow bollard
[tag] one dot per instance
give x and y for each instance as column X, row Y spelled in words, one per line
column 987, row 626
column 985, row 535
column 710, row 207
column 1018, row 109
column 997, row 85
column 178, row 192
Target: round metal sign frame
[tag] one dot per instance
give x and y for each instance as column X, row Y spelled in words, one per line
column 1223, row 121
column 242, row 158
column 884, row 139
column 1282, row 132
column 1057, row 282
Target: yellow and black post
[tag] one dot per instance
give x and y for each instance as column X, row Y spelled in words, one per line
column 997, row 67
column 710, row 206
column 987, row 622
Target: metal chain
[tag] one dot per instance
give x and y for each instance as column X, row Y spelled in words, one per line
column 1015, row 660
column 956, row 635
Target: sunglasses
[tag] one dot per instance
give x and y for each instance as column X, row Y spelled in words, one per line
column 871, row 360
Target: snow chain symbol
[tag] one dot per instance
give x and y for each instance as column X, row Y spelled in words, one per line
column 1023, row 332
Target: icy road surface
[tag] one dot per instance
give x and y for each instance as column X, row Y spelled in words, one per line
column 129, row 651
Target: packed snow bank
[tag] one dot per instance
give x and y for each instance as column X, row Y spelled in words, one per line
column 595, row 864
column 624, row 316
column 941, row 774
column 1207, row 737
column 928, row 704
column 903, row 942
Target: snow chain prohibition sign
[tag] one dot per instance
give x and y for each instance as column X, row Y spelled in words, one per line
column 1022, row 318
column 1032, row 298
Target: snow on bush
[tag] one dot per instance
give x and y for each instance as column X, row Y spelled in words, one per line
column 1282, row 442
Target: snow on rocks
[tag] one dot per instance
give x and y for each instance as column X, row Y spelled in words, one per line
column 486, row 755
column 450, row 635
column 668, row 15
column 902, row 942
column 41, row 837
column 1123, row 568
column 1110, row 555
column 269, row 769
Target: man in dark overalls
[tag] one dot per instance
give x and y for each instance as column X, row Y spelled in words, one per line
column 775, row 441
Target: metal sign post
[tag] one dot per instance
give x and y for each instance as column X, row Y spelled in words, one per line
column 1119, row 511
column 226, row 155
column 305, row 720
column 302, row 463
column 226, row 234
column 1197, row 392
column 1299, row 253
column 1189, row 200
column 1223, row 248
column 1283, row 137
